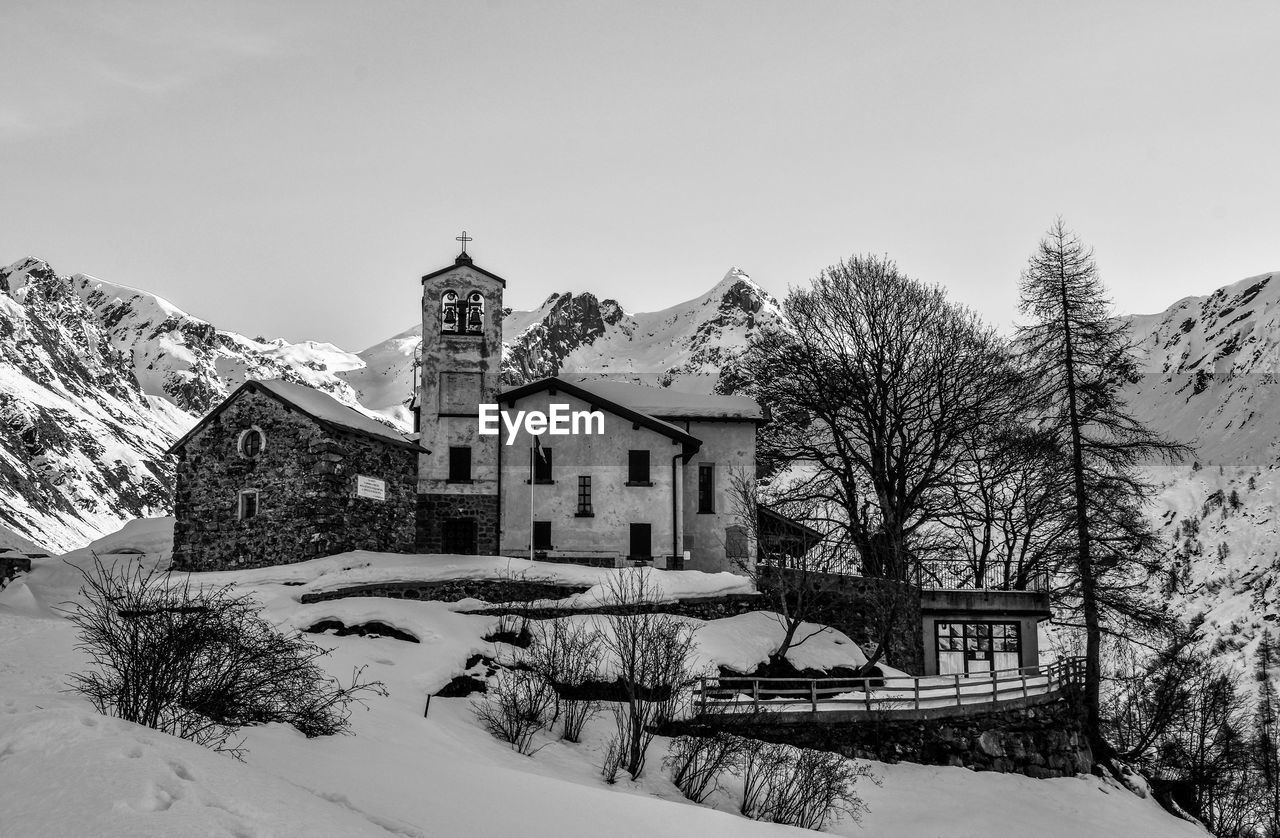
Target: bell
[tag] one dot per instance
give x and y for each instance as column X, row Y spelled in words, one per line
column 473, row 320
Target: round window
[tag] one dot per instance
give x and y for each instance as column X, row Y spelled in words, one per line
column 251, row 442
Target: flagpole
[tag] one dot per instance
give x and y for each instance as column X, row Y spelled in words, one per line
column 531, row 482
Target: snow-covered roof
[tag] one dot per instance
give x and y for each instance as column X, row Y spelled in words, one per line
column 326, row 408
column 321, row 407
column 666, row 403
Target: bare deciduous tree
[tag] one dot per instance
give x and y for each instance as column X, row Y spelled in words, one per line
column 1009, row 518
column 873, row 390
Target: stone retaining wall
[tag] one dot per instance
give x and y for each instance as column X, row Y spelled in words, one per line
column 453, row 590
column 1046, row 740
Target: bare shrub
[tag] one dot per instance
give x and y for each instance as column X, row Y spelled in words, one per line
column 516, row 706
column 758, row 765
column 815, row 787
column 798, row 786
column 651, row 653
column 697, row 762
column 612, row 761
column 199, row 663
column 566, row 653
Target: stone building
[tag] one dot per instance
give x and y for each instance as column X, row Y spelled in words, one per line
column 280, row 473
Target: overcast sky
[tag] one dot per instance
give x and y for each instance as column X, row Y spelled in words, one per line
column 292, row 169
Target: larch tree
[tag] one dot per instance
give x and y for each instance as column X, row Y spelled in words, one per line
column 1080, row 357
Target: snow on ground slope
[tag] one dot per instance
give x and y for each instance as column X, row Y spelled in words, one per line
column 65, row 771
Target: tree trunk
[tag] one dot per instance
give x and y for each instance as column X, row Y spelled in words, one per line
column 1088, row 591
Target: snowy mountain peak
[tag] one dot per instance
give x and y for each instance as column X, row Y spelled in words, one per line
column 1211, row 364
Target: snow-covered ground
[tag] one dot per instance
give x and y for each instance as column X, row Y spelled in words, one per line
column 65, row 771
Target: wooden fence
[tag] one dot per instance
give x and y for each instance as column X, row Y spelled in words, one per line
column 890, row 693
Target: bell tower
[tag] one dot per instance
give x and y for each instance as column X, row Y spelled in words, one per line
column 460, row 370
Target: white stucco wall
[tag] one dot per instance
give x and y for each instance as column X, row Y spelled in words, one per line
column 615, row 504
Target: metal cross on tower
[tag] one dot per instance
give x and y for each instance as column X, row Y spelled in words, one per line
column 464, row 238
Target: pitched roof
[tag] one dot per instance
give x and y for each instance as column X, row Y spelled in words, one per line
column 665, row 403
column 320, row 407
column 464, row 260
column 596, row 400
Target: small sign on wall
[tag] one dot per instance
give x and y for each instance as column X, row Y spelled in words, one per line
column 370, row 487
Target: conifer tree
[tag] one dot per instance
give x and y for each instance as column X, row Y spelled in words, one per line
column 1080, row 356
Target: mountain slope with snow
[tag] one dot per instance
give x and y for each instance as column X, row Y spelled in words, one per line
column 1210, row 379
column 1212, row 364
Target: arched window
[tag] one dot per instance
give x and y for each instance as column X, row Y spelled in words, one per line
column 475, row 313
column 449, row 312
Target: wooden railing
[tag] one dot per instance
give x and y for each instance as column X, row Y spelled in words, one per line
column 890, row 693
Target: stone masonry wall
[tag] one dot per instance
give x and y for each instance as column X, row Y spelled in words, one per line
column 1045, row 740
column 305, row 476
column 433, row 510
column 452, row 590
column 866, row 608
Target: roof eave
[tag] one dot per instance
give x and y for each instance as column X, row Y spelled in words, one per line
column 332, row 427
column 653, row 423
column 467, row 264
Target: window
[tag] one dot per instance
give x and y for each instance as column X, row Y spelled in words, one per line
column 459, row 464
column 706, row 488
column 642, row 541
column 248, row 504
column 475, row 313
column 966, row 648
column 584, row 497
column 638, row 468
column 251, row 442
column 542, row 535
column 449, row 312
column 542, row 467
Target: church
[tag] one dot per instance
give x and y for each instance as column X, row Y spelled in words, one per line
column 280, row 473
